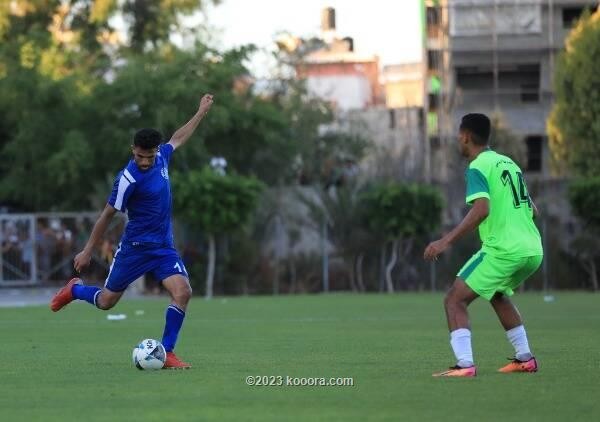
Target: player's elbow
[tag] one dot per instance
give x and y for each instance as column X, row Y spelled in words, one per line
column 485, row 211
column 109, row 212
column 176, row 141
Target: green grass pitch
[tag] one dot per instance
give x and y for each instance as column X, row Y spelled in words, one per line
column 76, row 365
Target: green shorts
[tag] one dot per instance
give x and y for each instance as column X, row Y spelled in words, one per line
column 487, row 274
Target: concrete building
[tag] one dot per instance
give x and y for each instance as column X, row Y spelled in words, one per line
column 349, row 80
column 396, row 136
column 386, row 109
column 403, row 85
column 346, row 79
column 496, row 56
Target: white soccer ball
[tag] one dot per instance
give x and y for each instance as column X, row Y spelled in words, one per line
column 149, row 354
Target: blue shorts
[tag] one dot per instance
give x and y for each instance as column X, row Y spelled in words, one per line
column 131, row 261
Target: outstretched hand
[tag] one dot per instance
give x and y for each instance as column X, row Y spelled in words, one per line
column 205, row 103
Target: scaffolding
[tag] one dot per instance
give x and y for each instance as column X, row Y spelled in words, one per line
column 496, row 55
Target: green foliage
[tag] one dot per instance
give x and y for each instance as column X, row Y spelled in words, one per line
column 342, row 209
column 41, row 117
column 403, row 210
column 215, row 203
column 152, row 21
column 70, row 102
column 573, row 126
column 324, row 159
column 320, row 154
column 40, row 133
column 253, row 132
column 584, row 195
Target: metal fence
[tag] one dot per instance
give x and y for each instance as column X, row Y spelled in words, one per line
column 39, row 248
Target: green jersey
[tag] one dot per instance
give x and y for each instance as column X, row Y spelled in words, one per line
column 509, row 229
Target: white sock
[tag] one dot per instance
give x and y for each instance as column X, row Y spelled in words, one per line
column 460, row 340
column 518, row 338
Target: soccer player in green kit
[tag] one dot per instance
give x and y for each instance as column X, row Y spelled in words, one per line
column 511, row 248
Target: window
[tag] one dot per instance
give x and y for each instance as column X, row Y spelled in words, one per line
column 475, row 78
column 520, row 81
column 433, row 59
column 433, row 15
column 534, row 153
column 530, row 93
column 434, row 101
column 570, row 15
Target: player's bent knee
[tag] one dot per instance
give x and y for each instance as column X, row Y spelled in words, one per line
column 454, row 300
column 451, row 301
column 450, row 297
column 106, row 301
column 188, row 294
column 184, row 295
column 104, row 306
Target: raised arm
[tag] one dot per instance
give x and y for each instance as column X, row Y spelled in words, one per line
column 82, row 259
column 184, row 133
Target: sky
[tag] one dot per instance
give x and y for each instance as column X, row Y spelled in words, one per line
column 388, row 28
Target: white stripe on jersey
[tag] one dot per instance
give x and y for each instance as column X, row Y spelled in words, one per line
column 128, row 176
column 123, row 185
column 112, row 264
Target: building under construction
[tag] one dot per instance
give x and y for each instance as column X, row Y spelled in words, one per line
column 495, row 57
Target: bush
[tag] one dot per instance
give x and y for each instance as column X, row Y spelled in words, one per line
column 584, row 195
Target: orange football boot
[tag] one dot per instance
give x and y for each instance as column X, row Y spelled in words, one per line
column 517, row 365
column 64, row 296
column 173, row 362
column 457, row 371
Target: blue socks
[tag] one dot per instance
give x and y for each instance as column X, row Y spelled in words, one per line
column 174, row 316
column 174, row 320
column 87, row 293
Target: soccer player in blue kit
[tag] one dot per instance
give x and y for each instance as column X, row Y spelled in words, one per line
column 142, row 189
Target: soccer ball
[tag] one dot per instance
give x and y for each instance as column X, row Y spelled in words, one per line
column 149, row 354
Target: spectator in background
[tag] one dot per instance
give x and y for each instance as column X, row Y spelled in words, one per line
column 64, row 237
column 106, row 251
column 46, row 243
column 11, row 254
column 27, row 252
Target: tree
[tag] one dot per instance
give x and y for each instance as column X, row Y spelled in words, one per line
column 42, row 133
column 400, row 213
column 340, row 209
column 50, row 57
column 151, row 22
column 574, row 132
column 573, row 125
column 77, row 125
column 321, row 152
column 252, row 131
column 215, row 204
column 584, row 195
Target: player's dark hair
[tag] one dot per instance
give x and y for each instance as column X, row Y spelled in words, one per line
column 479, row 125
column 147, row 138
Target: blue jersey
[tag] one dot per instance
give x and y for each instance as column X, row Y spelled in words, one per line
column 146, row 197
